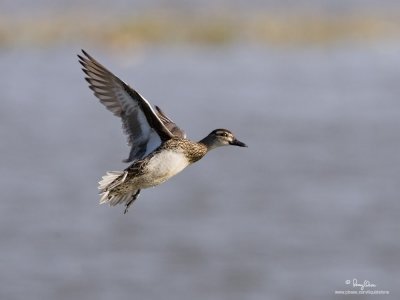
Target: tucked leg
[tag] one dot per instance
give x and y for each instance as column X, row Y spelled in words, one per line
column 134, row 197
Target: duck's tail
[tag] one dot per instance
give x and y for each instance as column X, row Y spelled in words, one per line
column 112, row 195
column 106, row 185
column 110, row 181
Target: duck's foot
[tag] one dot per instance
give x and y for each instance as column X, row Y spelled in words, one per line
column 134, row 197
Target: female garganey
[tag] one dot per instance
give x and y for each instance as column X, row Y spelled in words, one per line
column 159, row 150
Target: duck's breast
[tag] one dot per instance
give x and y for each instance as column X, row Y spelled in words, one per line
column 164, row 165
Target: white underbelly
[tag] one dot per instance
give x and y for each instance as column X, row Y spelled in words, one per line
column 163, row 166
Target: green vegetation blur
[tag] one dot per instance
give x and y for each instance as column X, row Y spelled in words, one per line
column 211, row 28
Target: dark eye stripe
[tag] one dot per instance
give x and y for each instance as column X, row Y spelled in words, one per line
column 223, row 133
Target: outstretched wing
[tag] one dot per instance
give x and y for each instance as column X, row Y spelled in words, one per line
column 172, row 127
column 144, row 128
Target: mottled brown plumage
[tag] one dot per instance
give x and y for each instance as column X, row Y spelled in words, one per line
column 159, row 148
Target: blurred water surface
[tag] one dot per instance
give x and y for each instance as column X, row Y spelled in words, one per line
column 312, row 202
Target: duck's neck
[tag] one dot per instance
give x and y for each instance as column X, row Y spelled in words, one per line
column 208, row 142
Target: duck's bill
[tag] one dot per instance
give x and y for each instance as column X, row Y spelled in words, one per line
column 238, row 143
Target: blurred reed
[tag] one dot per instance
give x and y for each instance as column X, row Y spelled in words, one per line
column 215, row 29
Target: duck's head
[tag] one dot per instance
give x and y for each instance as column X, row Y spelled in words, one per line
column 222, row 137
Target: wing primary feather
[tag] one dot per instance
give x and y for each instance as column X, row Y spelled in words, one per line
column 145, row 127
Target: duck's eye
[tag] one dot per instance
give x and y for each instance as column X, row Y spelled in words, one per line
column 222, row 134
